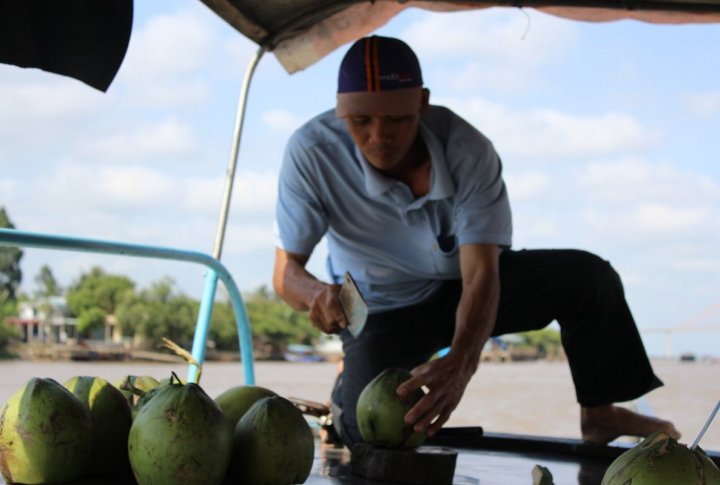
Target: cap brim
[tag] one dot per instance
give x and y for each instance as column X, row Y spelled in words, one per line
column 397, row 102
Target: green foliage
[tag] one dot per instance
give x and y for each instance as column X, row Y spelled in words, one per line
column 7, row 309
column 47, row 284
column 91, row 319
column 163, row 311
column 223, row 327
column 10, row 273
column 546, row 337
column 274, row 319
column 272, row 322
column 97, row 289
column 7, row 333
column 545, row 342
column 157, row 312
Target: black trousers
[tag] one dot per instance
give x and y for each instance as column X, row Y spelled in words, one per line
column 579, row 290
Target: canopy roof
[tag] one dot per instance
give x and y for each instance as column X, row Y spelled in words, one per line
column 301, row 32
column 87, row 39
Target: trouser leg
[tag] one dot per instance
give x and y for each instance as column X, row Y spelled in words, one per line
column 403, row 338
column 584, row 294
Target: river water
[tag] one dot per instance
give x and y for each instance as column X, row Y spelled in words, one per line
column 523, row 397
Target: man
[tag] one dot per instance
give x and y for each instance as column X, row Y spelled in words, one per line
column 413, row 204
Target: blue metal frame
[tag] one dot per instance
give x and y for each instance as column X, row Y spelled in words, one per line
column 12, row 237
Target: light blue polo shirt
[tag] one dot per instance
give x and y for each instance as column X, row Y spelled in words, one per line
column 398, row 248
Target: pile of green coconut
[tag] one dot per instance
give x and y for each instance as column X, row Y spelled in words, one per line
column 157, row 431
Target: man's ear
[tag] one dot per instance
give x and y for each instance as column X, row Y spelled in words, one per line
column 424, row 100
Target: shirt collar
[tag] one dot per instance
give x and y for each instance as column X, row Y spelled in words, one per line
column 441, row 185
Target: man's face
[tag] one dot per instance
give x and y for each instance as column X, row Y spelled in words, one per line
column 385, row 140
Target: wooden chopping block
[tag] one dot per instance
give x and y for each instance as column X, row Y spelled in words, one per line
column 421, row 466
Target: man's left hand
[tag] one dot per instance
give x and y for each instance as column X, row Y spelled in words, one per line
column 446, row 379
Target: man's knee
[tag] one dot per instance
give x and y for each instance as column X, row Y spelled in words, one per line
column 597, row 273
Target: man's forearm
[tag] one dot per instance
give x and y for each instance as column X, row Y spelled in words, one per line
column 293, row 283
column 475, row 318
column 477, row 310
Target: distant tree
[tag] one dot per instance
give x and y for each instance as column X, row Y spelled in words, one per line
column 546, row 341
column 46, row 283
column 276, row 322
column 10, row 273
column 7, row 332
column 97, row 292
column 98, row 289
column 91, row 319
column 223, row 327
column 157, row 312
column 47, row 287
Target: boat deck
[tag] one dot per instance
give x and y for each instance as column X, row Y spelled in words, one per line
column 483, row 459
column 476, row 467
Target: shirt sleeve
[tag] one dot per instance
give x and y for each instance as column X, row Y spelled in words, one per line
column 482, row 209
column 300, row 216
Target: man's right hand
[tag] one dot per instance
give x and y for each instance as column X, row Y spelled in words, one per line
column 302, row 291
column 325, row 311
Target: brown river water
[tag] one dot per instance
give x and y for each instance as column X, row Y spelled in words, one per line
column 534, row 398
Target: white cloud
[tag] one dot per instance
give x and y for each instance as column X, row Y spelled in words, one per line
column 697, row 264
column 629, row 179
column 175, row 43
column 132, row 187
column 493, row 50
column 168, row 138
column 38, row 109
column 243, row 238
column 36, row 94
column 255, row 192
column 547, row 133
column 527, row 185
column 282, row 121
column 166, row 56
column 663, row 217
column 8, row 187
column 634, row 204
column 503, row 35
column 702, row 104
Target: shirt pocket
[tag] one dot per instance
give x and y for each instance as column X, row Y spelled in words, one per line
column 446, row 256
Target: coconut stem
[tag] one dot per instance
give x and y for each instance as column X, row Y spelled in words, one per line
column 184, row 354
column 705, row 427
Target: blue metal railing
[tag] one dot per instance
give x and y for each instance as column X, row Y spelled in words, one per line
column 12, row 237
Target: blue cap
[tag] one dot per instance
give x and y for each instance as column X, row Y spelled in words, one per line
column 379, row 75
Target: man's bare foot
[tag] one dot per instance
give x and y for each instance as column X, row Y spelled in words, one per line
column 602, row 424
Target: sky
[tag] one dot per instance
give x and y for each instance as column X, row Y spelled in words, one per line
column 609, row 135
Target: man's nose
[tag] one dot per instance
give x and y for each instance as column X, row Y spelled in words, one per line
column 380, row 131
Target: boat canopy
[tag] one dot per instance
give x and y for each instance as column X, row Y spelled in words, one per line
column 301, row 32
column 88, row 39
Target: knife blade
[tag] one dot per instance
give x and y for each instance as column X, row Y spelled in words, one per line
column 353, row 304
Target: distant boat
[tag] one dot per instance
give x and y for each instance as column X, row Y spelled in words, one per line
column 302, row 353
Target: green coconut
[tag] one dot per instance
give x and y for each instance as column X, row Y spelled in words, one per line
column 45, row 434
column 661, row 460
column 143, row 400
column 237, row 400
column 180, row 437
column 272, row 444
column 111, row 420
column 133, row 387
column 381, row 412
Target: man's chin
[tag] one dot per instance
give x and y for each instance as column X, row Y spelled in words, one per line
column 381, row 163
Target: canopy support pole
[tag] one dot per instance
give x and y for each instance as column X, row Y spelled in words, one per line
column 208, row 299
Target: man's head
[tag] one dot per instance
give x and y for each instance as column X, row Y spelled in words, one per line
column 381, row 97
column 379, row 75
